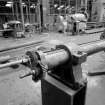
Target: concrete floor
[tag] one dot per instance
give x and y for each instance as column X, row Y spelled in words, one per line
column 15, row 91
column 96, row 85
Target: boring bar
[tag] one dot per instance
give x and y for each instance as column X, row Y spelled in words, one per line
column 59, row 56
column 15, row 62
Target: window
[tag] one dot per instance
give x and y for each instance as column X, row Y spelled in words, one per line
column 58, row 6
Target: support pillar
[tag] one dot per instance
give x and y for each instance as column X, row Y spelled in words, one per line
column 45, row 4
column 22, row 14
column 55, row 92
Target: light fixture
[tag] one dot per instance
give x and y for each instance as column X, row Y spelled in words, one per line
column 32, row 6
column 67, row 7
column 8, row 5
column 23, row 3
column 60, row 7
column 56, row 5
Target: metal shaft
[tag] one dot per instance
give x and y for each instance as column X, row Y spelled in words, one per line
column 93, row 47
column 24, row 60
column 58, row 57
column 54, row 58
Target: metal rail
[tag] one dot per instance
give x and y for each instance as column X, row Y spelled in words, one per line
column 20, row 46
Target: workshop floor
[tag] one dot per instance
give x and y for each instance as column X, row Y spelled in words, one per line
column 96, row 85
column 15, row 91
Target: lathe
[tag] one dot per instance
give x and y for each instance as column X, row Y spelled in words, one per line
column 60, row 72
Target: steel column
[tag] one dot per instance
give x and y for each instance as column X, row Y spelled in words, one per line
column 22, row 14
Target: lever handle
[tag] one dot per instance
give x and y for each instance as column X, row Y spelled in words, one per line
column 27, row 74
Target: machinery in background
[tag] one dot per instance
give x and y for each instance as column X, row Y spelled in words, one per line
column 74, row 23
column 13, row 29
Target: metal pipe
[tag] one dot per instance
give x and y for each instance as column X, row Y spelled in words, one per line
column 53, row 59
column 93, row 48
column 24, row 60
column 60, row 56
column 56, row 58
